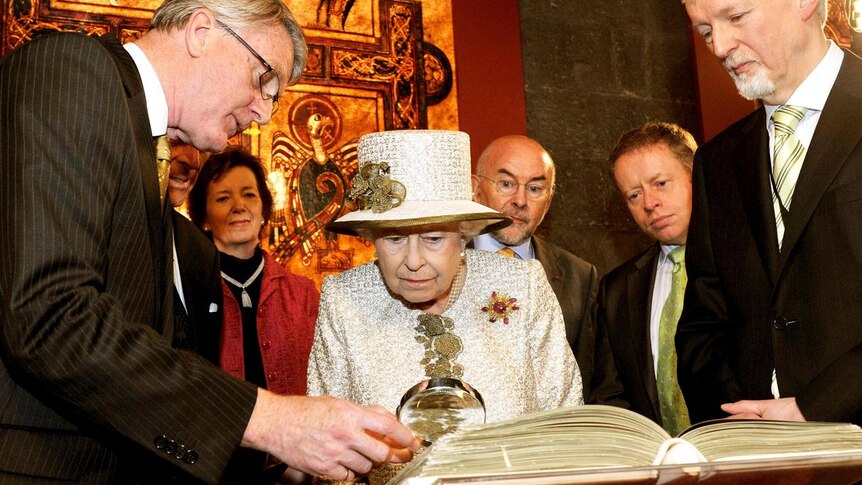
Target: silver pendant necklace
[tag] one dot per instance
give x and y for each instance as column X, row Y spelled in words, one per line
column 246, row 300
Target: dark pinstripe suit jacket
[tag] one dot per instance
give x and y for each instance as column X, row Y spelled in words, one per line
column 89, row 383
column 748, row 308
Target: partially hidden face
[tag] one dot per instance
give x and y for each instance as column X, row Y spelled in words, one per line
column 657, row 189
column 420, row 264
column 223, row 95
column 185, row 166
column 234, row 212
column 757, row 41
column 516, row 164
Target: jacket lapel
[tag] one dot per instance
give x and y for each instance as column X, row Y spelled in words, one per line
column 836, row 135
column 158, row 218
column 269, row 278
column 639, row 285
column 554, row 271
column 751, row 159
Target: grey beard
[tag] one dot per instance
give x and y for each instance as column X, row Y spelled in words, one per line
column 753, row 87
column 509, row 241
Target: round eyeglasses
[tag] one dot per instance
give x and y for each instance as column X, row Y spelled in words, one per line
column 508, row 186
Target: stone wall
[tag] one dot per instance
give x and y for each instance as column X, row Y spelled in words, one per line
column 593, row 70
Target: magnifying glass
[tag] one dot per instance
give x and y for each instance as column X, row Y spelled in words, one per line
column 438, row 406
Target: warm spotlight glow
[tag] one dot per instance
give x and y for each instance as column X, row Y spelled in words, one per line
column 254, row 129
column 854, row 14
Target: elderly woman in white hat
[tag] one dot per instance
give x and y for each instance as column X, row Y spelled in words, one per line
column 428, row 307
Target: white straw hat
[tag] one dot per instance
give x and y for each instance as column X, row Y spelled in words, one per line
column 410, row 178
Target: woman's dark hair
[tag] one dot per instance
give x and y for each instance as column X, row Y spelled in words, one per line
column 214, row 169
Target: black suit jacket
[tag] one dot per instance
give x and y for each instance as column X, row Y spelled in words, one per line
column 90, row 388
column 748, row 308
column 575, row 282
column 201, row 316
column 623, row 321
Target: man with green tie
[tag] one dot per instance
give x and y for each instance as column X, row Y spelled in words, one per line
column 640, row 301
column 770, row 327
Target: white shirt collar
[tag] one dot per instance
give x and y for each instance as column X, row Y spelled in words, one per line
column 665, row 250
column 814, row 90
column 157, row 103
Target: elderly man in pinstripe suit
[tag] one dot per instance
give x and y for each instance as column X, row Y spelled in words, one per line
column 92, row 389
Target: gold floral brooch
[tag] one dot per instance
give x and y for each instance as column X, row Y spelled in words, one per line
column 375, row 190
column 500, row 306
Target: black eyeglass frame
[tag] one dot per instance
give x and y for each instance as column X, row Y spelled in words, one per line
column 268, row 66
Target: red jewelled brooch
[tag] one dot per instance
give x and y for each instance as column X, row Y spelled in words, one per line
column 500, row 306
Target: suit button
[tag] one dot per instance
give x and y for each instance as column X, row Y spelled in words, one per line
column 781, row 323
column 272, row 375
column 191, row 457
column 160, row 442
column 181, row 452
column 266, row 344
column 171, row 447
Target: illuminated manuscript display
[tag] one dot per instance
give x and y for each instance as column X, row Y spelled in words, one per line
column 372, row 65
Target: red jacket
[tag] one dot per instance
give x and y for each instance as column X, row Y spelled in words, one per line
column 286, row 313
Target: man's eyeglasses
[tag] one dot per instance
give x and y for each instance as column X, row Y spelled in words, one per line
column 268, row 81
column 507, row 186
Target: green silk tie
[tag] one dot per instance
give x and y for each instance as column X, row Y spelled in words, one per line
column 674, row 413
column 787, row 155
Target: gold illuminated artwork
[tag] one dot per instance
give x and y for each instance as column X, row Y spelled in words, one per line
column 837, row 26
column 372, row 65
column 854, row 15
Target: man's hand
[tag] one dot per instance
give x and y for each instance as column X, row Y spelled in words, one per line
column 325, row 436
column 784, row 409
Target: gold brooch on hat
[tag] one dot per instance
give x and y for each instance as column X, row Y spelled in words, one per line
column 375, row 190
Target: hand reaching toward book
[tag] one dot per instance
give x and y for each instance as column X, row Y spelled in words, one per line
column 327, row 437
column 784, row 409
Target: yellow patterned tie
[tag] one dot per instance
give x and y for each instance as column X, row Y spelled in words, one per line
column 788, row 154
column 674, row 413
column 508, row 252
column 163, row 164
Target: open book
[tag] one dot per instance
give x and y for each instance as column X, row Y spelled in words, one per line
column 604, row 437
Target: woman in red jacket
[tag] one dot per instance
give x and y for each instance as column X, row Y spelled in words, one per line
column 269, row 313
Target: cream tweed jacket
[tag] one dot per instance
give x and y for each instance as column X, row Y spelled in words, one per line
column 366, row 348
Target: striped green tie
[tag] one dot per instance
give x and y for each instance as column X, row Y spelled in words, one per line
column 674, row 413
column 787, row 157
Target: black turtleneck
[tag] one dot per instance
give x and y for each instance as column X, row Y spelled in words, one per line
column 241, row 270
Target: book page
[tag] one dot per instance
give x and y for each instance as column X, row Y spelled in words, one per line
column 597, row 439
column 754, row 439
column 578, row 437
